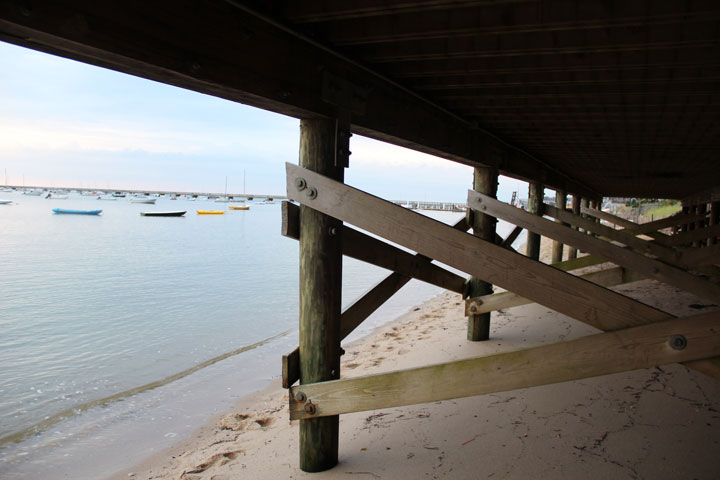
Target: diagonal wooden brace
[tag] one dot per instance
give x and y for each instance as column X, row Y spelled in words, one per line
column 680, row 340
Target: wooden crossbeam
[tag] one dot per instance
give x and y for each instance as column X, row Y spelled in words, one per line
column 621, row 256
column 489, row 303
column 667, row 222
column 701, row 256
column 687, row 238
column 371, row 250
column 512, row 236
column 541, row 283
column 549, row 286
column 356, row 313
column 577, row 263
column 663, row 253
column 680, row 340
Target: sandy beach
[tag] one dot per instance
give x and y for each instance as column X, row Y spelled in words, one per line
column 655, row 423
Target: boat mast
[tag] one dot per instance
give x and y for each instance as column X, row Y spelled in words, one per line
column 243, row 180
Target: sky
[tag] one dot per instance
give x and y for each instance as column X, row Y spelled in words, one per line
column 68, row 124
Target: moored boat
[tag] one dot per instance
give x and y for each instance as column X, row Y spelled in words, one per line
column 174, row 213
column 239, row 207
column 149, row 201
column 210, row 212
column 76, row 212
column 5, row 202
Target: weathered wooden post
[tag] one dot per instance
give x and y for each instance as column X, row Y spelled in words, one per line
column 700, row 223
column 536, row 194
column 714, row 220
column 485, row 180
column 572, row 254
column 560, row 202
column 320, row 289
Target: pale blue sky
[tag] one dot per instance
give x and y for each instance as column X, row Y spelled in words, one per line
column 64, row 123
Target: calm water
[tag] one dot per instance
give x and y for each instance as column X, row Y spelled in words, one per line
column 96, row 308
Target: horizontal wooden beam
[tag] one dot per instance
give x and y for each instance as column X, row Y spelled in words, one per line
column 228, row 49
column 680, row 340
column 489, row 303
column 621, row 256
column 667, row 222
column 663, row 253
column 698, row 257
column 368, row 249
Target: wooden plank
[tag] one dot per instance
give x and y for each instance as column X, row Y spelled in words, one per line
column 696, row 257
column 369, row 249
column 356, row 313
column 621, row 256
column 541, row 283
column 549, row 286
column 488, row 303
column 512, row 236
column 696, row 235
column 667, row 222
column 630, row 227
column 594, row 355
column 580, row 262
column 663, row 253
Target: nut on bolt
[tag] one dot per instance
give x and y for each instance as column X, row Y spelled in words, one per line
column 312, row 193
column 310, row 409
column 300, row 183
column 300, row 397
column 678, row 342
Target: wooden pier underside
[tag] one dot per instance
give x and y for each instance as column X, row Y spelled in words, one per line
column 590, row 99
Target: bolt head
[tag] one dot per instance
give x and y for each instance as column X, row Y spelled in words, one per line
column 473, row 309
column 678, row 342
column 312, row 193
column 310, row 409
column 300, row 184
column 300, row 396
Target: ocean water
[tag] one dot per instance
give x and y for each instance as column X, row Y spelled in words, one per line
column 120, row 333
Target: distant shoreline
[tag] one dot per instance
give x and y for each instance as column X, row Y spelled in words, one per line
column 20, row 188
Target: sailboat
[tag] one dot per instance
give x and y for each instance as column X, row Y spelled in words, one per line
column 225, row 198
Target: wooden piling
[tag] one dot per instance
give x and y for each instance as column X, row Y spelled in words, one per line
column 572, row 253
column 485, row 181
column 714, row 220
column 557, row 249
column 320, row 289
column 536, row 193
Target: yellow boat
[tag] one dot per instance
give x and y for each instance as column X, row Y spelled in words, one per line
column 210, row 212
column 240, row 207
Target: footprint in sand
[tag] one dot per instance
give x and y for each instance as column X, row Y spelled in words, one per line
column 217, row 460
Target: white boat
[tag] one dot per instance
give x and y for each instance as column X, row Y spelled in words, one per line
column 150, row 201
column 34, row 193
column 50, row 196
column 5, row 202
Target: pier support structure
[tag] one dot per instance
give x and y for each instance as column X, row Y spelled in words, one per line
column 572, row 254
column 485, row 180
column 557, row 251
column 320, row 291
column 535, row 203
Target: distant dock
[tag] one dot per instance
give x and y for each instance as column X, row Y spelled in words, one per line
column 422, row 205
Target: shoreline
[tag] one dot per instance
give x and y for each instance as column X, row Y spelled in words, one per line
column 655, row 423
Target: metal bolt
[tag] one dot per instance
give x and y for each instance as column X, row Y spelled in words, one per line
column 483, row 207
column 312, row 193
column 300, row 397
column 678, row 342
column 332, row 372
column 300, row 184
column 310, row 408
column 333, row 231
column 473, row 309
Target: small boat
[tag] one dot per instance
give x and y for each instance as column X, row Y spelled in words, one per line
column 50, row 196
column 150, row 201
column 76, row 212
column 109, row 199
column 210, row 212
column 5, row 202
column 175, row 213
column 239, row 207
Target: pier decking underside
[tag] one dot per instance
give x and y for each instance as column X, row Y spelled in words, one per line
column 592, row 99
